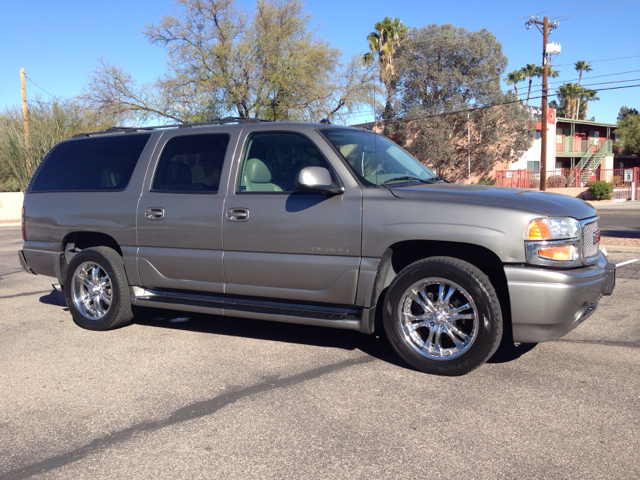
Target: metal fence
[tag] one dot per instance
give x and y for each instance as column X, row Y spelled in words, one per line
column 622, row 179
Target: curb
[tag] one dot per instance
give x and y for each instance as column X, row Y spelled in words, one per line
column 621, row 249
column 10, row 223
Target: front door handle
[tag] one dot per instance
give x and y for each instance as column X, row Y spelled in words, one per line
column 155, row 213
column 238, row 214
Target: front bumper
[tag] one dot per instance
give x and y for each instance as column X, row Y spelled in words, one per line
column 547, row 304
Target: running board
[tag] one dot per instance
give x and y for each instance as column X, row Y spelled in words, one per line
column 324, row 316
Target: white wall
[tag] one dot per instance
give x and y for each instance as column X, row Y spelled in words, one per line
column 10, row 206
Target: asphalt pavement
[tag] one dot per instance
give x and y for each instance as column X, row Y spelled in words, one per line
column 619, row 220
column 213, row 397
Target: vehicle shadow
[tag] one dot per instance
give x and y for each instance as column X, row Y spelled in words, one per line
column 375, row 345
column 54, row 298
column 508, row 352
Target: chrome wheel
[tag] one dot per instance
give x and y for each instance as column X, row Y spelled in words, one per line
column 438, row 318
column 92, row 291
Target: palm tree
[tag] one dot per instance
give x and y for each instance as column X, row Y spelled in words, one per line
column 569, row 94
column 513, row 78
column 551, row 73
column 582, row 66
column 588, row 96
column 530, row 70
column 383, row 42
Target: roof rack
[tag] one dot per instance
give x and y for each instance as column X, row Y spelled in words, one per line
column 220, row 121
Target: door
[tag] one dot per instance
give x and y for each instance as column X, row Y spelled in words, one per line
column 179, row 214
column 282, row 243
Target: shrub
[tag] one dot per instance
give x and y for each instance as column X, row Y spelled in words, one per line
column 617, row 181
column 534, row 183
column 487, row 182
column 600, row 190
column 556, row 181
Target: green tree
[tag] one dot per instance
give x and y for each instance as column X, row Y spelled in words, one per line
column 568, row 95
column 587, row 96
column 223, row 61
column 383, row 42
column 49, row 123
column 582, row 66
column 443, row 69
column 513, row 78
column 628, row 132
column 529, row 71
column 625, row 112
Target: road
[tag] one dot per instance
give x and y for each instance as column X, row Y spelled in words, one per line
column 620, row 220
column 233, row 398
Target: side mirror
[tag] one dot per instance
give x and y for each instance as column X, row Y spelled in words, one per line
column 317, row 179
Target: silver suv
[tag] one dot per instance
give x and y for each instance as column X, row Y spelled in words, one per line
column 313, row 224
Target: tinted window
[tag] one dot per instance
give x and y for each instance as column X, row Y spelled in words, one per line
column 272, row 160
column 191, row 163
column 95, row 163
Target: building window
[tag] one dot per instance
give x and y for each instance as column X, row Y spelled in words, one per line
column 534, row 166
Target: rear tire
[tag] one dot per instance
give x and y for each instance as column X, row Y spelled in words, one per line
column 442, row 316
column 96, row 289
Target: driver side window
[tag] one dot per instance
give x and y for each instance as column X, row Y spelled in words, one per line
column 272, row 160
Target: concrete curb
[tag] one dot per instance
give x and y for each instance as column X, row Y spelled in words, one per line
column 621, row 249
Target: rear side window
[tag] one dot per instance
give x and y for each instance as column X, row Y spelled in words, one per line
column 90, row 164
column 191, row 163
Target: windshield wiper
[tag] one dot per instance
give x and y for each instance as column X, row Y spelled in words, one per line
column 404, row 177
column 409, row 177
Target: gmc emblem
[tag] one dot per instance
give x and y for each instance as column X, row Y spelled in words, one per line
column 596, row 237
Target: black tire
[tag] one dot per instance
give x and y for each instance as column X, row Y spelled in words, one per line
column 442, row 316
column 96, row 289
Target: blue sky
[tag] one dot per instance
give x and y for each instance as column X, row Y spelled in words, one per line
column 59, row 42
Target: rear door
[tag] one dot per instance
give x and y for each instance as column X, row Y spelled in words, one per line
column 281, row 243
column 179, row 215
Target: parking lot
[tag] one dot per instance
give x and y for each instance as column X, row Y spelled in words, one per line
column 211, row 397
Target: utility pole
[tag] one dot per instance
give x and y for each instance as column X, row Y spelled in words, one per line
column 25, row 121
column 469, row 146
column 546, row 26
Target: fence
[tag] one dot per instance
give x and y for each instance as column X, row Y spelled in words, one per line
column 621, row 178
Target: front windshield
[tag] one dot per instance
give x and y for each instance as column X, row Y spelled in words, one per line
column 375, row 159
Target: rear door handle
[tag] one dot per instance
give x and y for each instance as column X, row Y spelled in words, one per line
column 238, row 214
column 155, row 213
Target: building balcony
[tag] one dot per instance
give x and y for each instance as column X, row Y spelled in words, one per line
column 576, row 147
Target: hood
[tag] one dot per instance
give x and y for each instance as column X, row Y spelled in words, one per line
column 551, row 204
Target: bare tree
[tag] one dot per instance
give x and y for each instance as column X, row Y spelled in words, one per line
column 226, row 61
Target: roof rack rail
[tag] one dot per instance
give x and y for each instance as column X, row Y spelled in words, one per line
column 220, row 121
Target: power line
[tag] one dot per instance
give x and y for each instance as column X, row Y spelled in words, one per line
column 595, row 76
column 595, row 9
column 484, row 107
column 599, row 60
column 51, row 95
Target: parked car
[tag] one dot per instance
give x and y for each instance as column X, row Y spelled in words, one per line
column 313, row 224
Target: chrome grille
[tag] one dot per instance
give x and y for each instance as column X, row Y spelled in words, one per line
column 589, row 246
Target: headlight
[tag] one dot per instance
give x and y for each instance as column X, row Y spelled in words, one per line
column 557, row 228
column 553, row 241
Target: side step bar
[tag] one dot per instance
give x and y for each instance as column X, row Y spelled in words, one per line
column 324, row 316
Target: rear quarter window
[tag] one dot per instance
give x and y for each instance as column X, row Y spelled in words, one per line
column 90, row 164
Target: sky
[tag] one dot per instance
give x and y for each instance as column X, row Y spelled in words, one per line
column 59, row 42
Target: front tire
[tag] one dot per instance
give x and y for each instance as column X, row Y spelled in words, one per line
column 442, row 316
column 96, row 289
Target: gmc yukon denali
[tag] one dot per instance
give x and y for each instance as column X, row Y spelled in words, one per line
column 313, row 224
